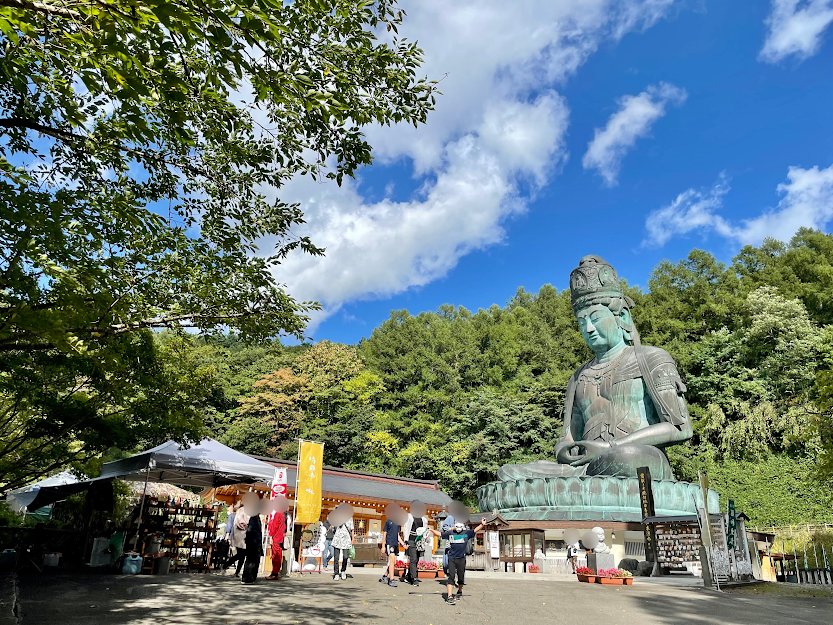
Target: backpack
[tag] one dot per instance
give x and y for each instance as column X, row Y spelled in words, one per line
column 470, row 546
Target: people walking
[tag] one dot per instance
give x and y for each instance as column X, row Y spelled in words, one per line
column 448, row 523
column 254, row 540
column 572, row 555
column 391, row 539
column 328, row 543
column 413, row 530
column 238, row 539
column 230, row 520
column 458, row 539
column 342, row 541
column 277, row 532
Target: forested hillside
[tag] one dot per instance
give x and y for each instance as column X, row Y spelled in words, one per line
column 453, row 395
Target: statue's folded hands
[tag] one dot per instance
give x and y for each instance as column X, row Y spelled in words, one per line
column 588, row 451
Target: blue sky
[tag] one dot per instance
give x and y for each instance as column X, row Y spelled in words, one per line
column 635, row 130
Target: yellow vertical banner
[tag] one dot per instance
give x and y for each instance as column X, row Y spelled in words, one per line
column 310, row 470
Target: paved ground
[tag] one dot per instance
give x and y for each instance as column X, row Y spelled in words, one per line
column 90, row 599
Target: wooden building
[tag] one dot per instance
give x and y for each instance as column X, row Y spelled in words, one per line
column 368, row 493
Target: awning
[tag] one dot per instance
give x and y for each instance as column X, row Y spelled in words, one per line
column 19, row 498
column 206, row 465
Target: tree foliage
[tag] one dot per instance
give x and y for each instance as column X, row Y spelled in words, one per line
column 453, row 395
column 143, row 144
column 143, row 148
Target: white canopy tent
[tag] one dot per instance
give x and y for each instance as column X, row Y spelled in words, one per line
column 16, row 499
column 207, row 464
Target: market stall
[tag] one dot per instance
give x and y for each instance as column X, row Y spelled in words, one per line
column 169, row 527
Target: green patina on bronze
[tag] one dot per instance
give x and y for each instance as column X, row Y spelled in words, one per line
column 597, row 498
column 622, row 409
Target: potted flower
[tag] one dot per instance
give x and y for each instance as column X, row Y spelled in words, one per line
column 606, row 577
column 585, row 574
column 440, row 572
column 399, row 567
column 426, row 570
column 534, row 568
column 622, row 574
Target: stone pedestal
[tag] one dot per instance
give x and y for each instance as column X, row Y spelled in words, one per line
column 597, row 561
column 596, row 498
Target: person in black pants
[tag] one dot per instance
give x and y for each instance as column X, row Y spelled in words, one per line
column 414, row 527
column 238, row 558
column 254, row 543
column 342, row 541
column 458, row 539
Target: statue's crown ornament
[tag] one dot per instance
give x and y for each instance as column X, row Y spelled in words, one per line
column 594, row 280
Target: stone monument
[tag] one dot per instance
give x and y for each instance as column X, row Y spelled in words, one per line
column 600, row 558
column 621, row 410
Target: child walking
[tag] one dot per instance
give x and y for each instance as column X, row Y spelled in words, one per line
column 458, row 538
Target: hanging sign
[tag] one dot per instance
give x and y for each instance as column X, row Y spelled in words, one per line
column 494, row 544
column 646, row 503
column 310, row 471
column 731, row 530
column 706, row 536
column 279, row 483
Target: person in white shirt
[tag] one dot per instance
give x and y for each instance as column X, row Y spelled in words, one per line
column 413, row 530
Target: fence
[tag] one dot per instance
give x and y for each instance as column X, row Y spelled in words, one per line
column 811, row 547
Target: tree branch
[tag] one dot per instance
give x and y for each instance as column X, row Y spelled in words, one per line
column 41, row 7
column 67, row 135
column 25, row 347
column 162, row 322
column 30, row 124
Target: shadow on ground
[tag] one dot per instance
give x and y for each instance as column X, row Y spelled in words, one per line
column 75, row 599
column 68, row 599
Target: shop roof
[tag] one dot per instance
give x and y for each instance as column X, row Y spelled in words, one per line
column 492, row 518
column 373, row 485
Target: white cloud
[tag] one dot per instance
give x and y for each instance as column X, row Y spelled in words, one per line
column 807, row 202
column 376, row 250
column 632, row 121
column 690, row 210
column 796, row 27
column 498, row 123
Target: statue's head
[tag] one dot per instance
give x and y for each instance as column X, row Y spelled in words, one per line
column 600, row 533
column 600, row 305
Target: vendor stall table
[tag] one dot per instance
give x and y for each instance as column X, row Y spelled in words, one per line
column 186, row 532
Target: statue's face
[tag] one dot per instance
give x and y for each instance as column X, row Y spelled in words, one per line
column 599, row 328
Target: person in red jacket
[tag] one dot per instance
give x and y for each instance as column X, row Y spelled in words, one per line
column 277, row 531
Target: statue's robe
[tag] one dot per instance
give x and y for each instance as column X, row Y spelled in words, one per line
column 608, row 401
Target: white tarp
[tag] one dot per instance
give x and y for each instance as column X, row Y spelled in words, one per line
column 18, row 499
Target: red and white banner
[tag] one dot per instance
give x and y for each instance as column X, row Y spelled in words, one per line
column 279, row 482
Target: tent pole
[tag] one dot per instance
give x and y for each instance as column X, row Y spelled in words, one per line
column 295, row 511
column 142, row 506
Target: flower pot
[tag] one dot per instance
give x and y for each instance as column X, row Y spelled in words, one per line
column 534, row 571
column 426, row 574
column 610, row 581
column 627, row 581
column 399, row 572
column 587, row 579
column 441, row 574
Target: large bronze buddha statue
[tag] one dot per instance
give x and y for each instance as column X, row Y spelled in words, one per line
column 624, row 406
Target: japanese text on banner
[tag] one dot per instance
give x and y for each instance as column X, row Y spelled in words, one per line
column 279, row 483
column 308, row 497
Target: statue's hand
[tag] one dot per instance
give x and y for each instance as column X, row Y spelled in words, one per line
column 590, row 450
column 564, row 455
